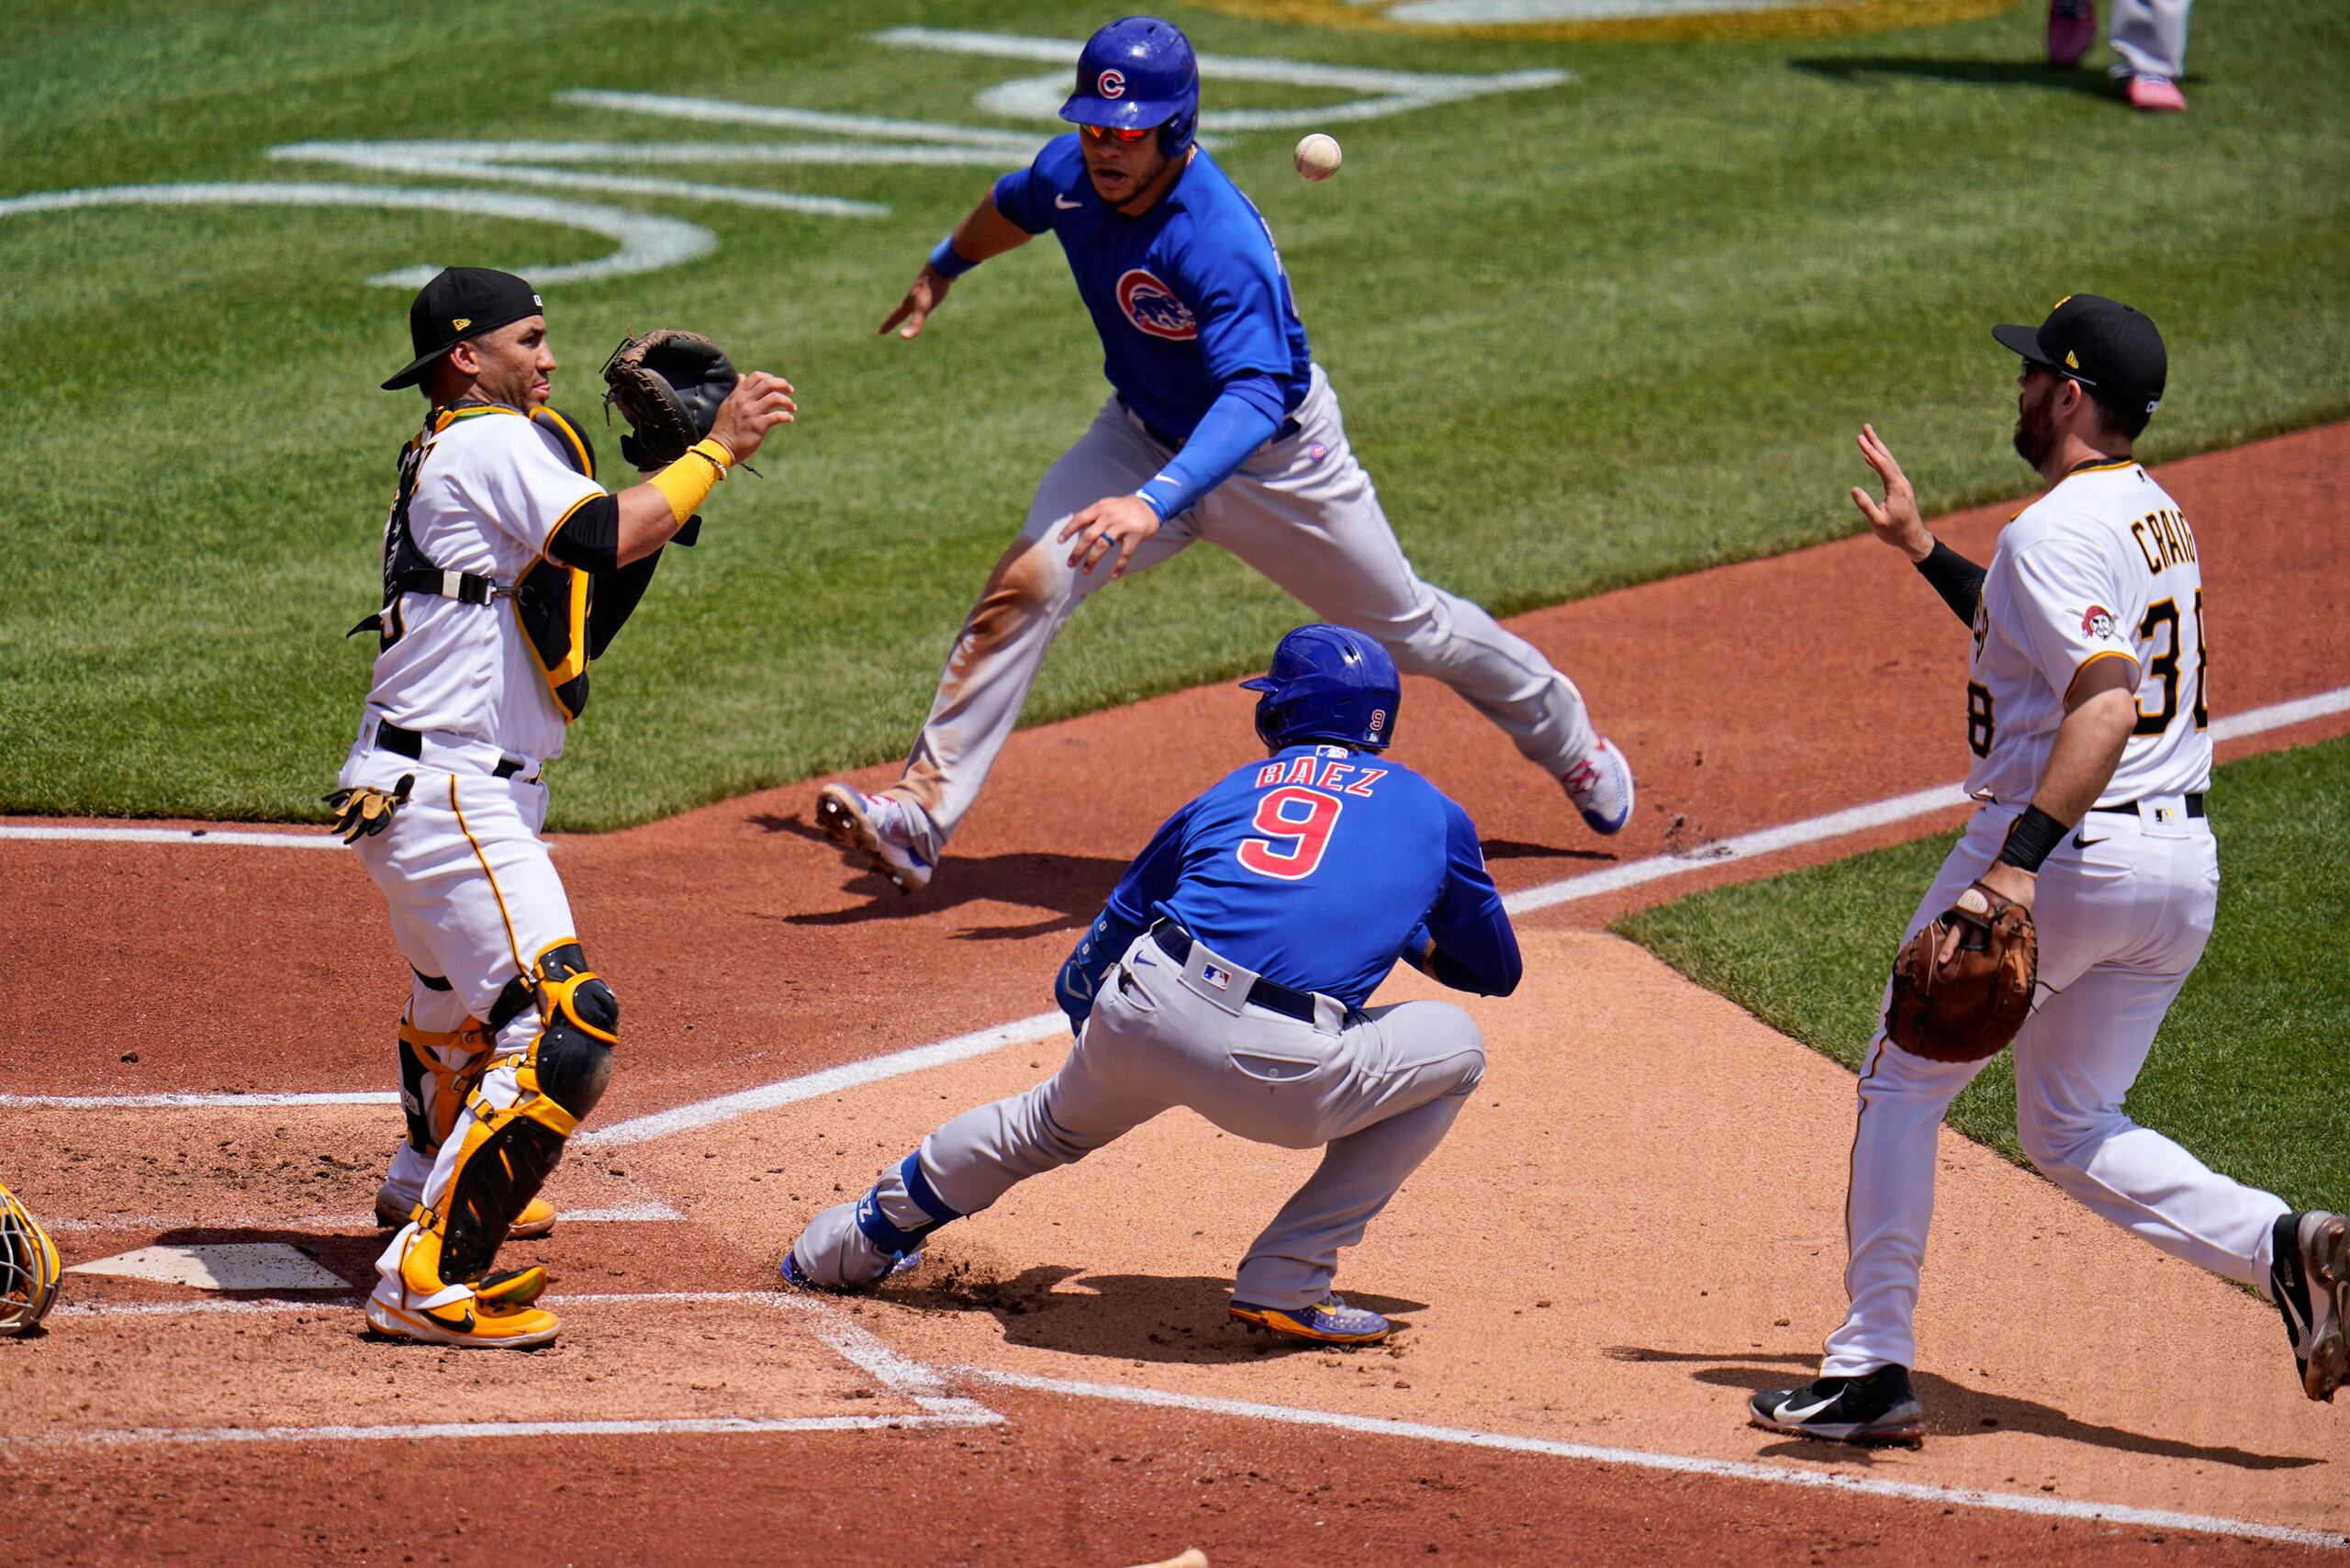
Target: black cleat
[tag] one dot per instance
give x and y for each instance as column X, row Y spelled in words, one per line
column 1878, row 1408
column 2308, row 1278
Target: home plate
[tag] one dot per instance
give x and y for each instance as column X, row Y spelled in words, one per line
column 222, row 1266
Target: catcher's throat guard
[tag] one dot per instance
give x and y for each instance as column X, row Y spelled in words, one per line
column 1969, row 1009
column 29, row 1269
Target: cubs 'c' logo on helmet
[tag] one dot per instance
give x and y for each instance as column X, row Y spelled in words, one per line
column 1111, row 83
column 1152, row 307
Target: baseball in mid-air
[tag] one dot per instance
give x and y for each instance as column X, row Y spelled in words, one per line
column 1317, row 156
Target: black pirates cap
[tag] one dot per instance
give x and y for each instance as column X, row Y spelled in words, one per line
column 2099, row 343
column 461, row 303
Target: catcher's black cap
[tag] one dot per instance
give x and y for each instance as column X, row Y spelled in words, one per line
column 461, row 303
column 2104, row 345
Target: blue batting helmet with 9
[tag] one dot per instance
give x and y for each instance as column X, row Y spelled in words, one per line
column 1136, row 72
column 1327, row 683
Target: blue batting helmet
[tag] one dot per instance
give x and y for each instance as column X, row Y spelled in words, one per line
column 1329, row 683
column 1138, row 71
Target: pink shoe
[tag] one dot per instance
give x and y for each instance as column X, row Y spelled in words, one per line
column 2072, row 30
column 2156, row 94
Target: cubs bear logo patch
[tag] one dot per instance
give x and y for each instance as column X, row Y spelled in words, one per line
column 1152, row 307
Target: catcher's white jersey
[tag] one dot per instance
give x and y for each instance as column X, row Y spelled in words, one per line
column 492, row 490
column 2103, row 566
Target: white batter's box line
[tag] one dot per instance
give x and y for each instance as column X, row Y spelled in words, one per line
column 292, row 1304
column 712, row 1425
column 328, row 1223
column 1743, row 1470
column 206, row 1100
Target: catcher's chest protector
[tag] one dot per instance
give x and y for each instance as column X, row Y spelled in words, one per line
column 550, row 598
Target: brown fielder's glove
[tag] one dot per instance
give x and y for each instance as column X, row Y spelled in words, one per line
column 1971, row 1007
column 668, row 386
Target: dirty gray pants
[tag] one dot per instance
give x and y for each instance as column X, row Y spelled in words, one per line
column 1381, row 1088
column 2151, row 35
column 1300, row 509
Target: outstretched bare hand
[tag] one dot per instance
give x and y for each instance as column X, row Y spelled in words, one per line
column 1896, row 522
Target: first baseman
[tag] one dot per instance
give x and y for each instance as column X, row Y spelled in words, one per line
column 1228, row 973
column 506, row 567
column 2089, row 725
column 1221, row 428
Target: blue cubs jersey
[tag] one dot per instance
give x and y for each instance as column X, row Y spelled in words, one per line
column 1315, row 868
column 1187, row 297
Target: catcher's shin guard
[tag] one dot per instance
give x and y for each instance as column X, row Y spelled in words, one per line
column 28, row 1267
column 439, row 1068
column 511, row 1142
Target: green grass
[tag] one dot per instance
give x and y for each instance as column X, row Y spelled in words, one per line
column 1585, row 337
column 2247, row 1070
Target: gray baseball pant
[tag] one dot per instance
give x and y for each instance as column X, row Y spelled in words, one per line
column 2151, row 35
column 1301, row 510
column 1379, row 1088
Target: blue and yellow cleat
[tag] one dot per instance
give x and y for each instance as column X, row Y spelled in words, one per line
column 1329, row 1321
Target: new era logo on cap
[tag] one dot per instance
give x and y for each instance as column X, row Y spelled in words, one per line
column 2103, row 344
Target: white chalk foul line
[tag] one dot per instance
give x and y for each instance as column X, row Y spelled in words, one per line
column 1043, row 1025
column 1770, row 1474
column 1858, row 819
column 249, row 839
column 222, row 1101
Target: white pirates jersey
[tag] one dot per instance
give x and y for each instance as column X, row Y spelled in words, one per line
column 2103, row 567
column 492, row 489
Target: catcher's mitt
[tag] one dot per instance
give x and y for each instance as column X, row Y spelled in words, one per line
column 668, row 386
column 1966, row 1010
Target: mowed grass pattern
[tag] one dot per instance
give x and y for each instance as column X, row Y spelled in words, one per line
column 1584, row 336
column 2247, row 1070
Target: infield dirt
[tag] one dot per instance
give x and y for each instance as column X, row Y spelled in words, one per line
column 1649, row 1162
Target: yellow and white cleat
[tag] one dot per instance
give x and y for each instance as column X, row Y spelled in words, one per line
column 497, row 1313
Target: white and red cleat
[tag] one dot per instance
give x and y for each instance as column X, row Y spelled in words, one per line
column 1601, row 788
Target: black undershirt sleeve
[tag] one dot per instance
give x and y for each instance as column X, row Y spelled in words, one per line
column 615, row 599
column 1957, row 578
column 590, row 538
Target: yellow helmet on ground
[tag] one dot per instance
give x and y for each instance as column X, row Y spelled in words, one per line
column 28, row 1267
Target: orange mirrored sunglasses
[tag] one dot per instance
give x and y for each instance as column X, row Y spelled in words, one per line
column 1116, row 133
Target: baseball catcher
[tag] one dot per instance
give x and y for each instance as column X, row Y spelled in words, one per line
column 28, row 1267
column 507, row 567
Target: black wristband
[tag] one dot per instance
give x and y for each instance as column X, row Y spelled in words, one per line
column 1957, row 578
column 2031, row 839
